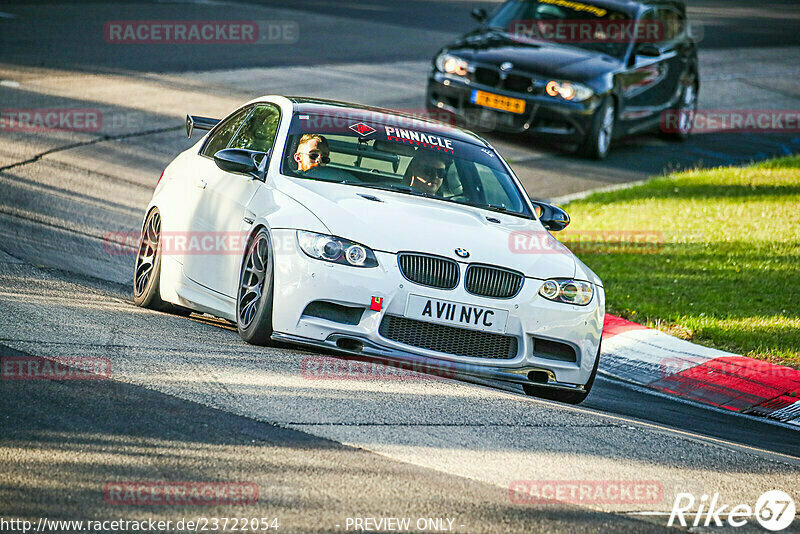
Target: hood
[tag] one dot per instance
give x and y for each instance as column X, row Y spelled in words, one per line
column 493, row 47
column 402, row 222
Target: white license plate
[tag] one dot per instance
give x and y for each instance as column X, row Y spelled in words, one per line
column 456, row 314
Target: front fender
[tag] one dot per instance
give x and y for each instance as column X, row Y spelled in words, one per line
column 274, row 209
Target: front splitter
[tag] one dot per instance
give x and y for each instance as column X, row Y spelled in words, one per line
column 424, row 364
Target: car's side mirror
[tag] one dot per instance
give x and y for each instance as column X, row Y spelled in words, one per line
column 648, row 50
column 552, row 217
column 479, row 14
column 242, row 161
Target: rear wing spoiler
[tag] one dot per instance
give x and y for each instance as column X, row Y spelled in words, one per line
column 199, row 123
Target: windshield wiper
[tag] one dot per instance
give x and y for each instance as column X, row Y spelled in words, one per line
column 407, row 189
column 500, row 209
column 383, row 187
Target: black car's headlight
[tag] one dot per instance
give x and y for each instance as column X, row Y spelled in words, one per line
column 451, row 64
column 572, row 91
column 567, row 291
column 336, row 250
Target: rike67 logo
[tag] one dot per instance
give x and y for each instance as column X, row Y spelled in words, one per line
column 774, row 510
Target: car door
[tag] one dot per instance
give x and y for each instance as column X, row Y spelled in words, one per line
column 185, row 186
column 650, row 83
column 678, row 47
column 222, row 220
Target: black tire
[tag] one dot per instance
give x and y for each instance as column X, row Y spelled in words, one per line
column 685, row 112
column 597, row 142
column 561, row 395
column 254, row 294
column 147, row 269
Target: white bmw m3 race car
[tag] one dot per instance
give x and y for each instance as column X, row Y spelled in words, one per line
column 373, row 233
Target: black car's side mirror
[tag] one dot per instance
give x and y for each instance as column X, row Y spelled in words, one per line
column 479, row 14
column 648, row 50
column 552, row 217
column 242, row 161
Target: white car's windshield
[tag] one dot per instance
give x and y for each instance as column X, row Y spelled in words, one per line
column 406, row 159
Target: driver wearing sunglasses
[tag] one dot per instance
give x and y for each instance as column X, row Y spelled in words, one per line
column 312, row 151
column 425, row 173
column 312, row 157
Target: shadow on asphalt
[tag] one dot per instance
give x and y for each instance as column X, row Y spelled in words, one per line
column 63, row 441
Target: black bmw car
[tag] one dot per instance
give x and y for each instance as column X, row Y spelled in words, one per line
column 582, row 72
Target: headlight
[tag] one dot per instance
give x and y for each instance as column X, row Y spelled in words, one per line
column 336, row 250
column 451, row 64
column 574, row 92
column 567, row 291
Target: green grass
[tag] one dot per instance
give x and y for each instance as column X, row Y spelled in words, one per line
column 727, row 274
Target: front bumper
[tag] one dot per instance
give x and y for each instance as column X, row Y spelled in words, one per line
column 544, row 115
column 300, row 280
column 425, row 364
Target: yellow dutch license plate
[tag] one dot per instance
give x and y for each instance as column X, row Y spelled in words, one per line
column 503, row 103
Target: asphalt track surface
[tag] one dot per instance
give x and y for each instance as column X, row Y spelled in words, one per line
column 189, row 401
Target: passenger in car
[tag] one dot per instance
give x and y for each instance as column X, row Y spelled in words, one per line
column 425, row 172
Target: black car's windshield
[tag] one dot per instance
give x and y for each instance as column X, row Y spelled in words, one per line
column 580, row 24
column 405, row 156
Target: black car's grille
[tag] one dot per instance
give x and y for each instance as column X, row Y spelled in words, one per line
column 448, row 339
column 516, row 83
column 431, row 271
column 512, row 82
column 492, row 281
column 486, row 76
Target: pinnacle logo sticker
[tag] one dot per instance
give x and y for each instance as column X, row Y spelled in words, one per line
column 362, row 129
column 420, row 139
column 376, row 304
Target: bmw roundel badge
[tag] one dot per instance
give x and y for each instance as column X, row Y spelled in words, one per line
column 462, row 253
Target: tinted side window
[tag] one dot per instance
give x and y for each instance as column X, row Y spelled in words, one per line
column 259, row 130
column 651, row 27
column 222, row 135
column 672, row 22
